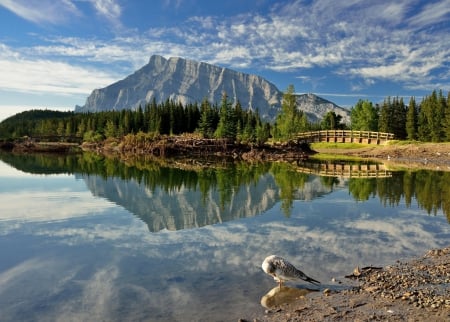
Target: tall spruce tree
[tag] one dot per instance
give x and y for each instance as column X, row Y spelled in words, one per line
column 227, row 120
column 431, row 118
column 290, row 120
column 385, row 116
column 447, row 118
column 206, row 124
column 398, row 120
column 411, row 119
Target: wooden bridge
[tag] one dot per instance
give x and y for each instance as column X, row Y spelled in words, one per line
column 344, row 136
column 345, row 170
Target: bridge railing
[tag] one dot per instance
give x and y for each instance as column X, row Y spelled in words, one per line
column 345, row 136
column 345, row 170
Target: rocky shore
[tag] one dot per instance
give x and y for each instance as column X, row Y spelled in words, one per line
column 416, row 290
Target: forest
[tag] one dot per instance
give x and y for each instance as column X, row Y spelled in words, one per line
column 427, row 121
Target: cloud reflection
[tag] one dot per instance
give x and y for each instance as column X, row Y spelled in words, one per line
column 82, row 266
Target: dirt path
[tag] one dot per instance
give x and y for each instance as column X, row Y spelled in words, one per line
column 417, row 290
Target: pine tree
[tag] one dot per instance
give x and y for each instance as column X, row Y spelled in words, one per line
column 110, row 129
column 206, row 124
column 411, row 120
column 398, row 118
column 385, row 116
column 447, row 118
column 227, row 127
column 431, row 118
column 331, row 121
column 290, row 120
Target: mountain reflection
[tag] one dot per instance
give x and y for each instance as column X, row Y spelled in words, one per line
column 180, row 196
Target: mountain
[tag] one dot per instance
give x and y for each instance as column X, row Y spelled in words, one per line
column 316, row 107
column 189, row 81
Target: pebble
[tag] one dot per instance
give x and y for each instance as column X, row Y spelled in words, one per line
column 419, row 283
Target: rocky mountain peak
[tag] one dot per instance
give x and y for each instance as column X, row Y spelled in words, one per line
column 188, row 81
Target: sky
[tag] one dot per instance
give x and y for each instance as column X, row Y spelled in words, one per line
column 53, row 53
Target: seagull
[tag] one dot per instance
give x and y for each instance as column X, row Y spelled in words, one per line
column 282, row 270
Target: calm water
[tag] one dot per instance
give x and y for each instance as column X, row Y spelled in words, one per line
column 87, row 239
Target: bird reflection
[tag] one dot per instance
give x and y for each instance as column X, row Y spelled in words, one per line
column 283, row 295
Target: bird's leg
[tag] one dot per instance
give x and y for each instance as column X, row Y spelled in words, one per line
column 279, row 283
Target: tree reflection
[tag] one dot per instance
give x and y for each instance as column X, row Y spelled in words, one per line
column 289, row 181
column 431, row 189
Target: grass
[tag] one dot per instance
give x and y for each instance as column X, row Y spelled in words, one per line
column 332, row 145
column 404, row 142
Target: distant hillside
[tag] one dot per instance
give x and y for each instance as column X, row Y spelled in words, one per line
column 22, row 122
column 189, row 81
column 37, row 115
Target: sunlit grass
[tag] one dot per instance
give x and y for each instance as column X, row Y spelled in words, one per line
column 333, row 145
column 403, row 142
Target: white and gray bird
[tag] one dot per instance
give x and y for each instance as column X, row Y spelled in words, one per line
column 282, row 270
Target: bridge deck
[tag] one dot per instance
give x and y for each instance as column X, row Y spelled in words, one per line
column 345, row 136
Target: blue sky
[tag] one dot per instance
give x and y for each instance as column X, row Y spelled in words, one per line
column 53, row 53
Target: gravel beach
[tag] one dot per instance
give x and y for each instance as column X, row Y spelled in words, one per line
column 416, row 290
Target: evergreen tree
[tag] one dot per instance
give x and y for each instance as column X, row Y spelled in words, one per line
column 398, row 119
column 206, row 124
column 447, row 118
column 154, row 123
column 331, row 121
column 431, row 118
column 227, row 120
column 411, row 120
column 139, row 119
column 385, row 116
column 110, row 129
column 290, row 120
column 262, row 132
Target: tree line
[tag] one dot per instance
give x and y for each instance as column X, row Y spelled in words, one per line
column 428, row 121
column 167, row 118
column 223, row 121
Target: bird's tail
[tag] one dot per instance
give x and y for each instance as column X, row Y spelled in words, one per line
column 311, row 280
column 306, row 278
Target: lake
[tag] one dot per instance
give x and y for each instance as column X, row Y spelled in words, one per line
column 86, row 238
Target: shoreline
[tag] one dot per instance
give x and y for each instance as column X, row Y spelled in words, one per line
column 419, row 155
column 395, row 156
column 414, row 290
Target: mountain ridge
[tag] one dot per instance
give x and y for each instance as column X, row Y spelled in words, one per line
column 188, row 81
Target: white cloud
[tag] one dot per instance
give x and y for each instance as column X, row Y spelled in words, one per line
column 48, row 76
column 107, row 8
column 42, row 11
column 432, row 13
column 379, row 40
